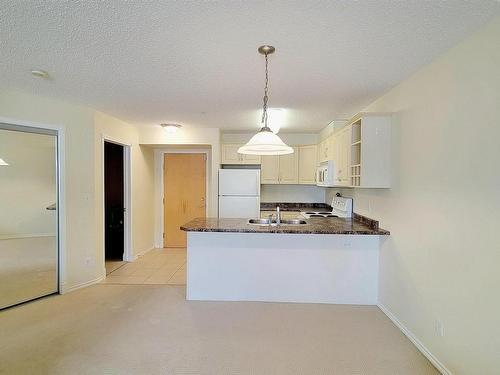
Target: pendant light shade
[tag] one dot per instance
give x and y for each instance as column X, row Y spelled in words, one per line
column 265, row 142
column 3, row 162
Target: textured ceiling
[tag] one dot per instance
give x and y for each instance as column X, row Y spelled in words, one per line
column 196, row 63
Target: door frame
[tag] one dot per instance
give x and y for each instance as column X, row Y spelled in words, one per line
column 61, row 191
column 159, row 242
column 127, row 199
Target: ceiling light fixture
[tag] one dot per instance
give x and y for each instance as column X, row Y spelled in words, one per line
column 265, row 142
column 40, row 73
column 171, row 128
column 3, row 162
column 275, row 119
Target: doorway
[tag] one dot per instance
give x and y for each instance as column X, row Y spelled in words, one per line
column 184, row 192
column 114, row 204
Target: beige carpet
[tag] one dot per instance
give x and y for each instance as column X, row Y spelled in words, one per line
column 151, row 329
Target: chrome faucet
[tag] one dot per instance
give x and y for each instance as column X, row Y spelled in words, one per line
column 278, row 215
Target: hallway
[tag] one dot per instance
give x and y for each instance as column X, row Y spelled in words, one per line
column 158, row 266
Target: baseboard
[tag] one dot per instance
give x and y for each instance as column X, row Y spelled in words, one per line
column 65, row 290
column 420, row 346
column 139, row 254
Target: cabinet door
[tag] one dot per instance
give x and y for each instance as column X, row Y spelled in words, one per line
column 251, row 159
column 289, row 168
column 307, row 164
column 230, row 154
column 322, row 148
column 345, row 153
column 269, row 169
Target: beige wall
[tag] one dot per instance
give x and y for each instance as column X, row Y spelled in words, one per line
column 83, row 255
column 80, row 254
column 142, row 180
column 441, row 262
column 186, row 138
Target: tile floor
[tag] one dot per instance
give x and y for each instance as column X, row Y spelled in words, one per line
column 158, row 266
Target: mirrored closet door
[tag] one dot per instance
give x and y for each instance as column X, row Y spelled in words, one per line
column 28, row 214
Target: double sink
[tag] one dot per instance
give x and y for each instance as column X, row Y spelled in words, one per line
column 273, row 222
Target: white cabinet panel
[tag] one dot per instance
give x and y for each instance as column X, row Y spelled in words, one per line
column 307, row 164
column 229, row 155
column 289, row 168
column 269, row 170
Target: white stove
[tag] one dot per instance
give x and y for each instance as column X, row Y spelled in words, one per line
column 341, row 207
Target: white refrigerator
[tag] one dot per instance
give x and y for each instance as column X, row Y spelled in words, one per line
column 239, row 193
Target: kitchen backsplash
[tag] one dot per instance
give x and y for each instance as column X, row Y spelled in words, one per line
column 292, row 193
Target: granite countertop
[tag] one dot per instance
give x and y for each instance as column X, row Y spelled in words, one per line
column 354, row 226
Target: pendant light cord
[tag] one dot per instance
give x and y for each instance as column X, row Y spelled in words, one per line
column 264, row 112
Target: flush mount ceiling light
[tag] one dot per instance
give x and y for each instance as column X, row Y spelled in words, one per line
column 3, row 162
column 40, row 73
column 171, row 128
column 265, row 142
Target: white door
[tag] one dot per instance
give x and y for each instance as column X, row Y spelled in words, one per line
column 239, row 207
column 239, row 182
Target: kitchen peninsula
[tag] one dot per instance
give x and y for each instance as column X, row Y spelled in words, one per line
column 325, row 260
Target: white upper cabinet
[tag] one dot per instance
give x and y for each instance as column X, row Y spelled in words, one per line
column 229, row 155
column 307, row 164
column 283, row 169
column 269, row 170
column 289, row 168
column 370, row 159
column 325, row 151
column 343, row 156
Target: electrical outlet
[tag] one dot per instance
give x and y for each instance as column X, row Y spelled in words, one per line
column 439, row 328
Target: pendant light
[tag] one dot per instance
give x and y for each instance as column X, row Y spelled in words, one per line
column 265, row 142
column 3, row 162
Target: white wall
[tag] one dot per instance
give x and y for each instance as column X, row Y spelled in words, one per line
column 292, row 193
column 27, row 185
column 441, row 261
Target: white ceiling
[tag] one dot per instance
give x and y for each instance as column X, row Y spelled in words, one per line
column 196, row 63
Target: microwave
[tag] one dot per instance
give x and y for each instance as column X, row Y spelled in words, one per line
column 325, row 173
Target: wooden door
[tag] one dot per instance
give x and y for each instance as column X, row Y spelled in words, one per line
column 289, row 168
column 307, row 164
column 184, row 183
column 269, row 169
